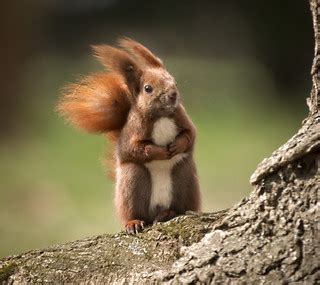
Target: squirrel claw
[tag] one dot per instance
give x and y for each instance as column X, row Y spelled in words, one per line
column 173, row 149
column 134, row 227
column 156, row 152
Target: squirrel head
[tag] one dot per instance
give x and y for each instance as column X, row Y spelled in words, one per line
column 153, row 90
column 158, row 94
column 136, row 78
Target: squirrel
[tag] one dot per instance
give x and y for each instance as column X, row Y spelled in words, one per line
column 136, row 103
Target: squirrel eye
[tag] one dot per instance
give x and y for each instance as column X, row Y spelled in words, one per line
column 148, row 88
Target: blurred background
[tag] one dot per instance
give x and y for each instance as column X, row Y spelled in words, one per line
column 242, row 68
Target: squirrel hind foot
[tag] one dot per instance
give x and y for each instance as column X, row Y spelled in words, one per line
column 134, row 226
column 165, row 216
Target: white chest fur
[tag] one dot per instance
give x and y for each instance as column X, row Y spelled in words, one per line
column 164, row 132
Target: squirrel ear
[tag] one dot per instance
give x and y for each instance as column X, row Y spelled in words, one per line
column 121, row 62
column 141, row 51
column 98, row 103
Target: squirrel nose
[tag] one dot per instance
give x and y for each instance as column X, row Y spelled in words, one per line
column 173, row 96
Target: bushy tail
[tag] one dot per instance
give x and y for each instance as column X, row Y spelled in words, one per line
column 98, row 104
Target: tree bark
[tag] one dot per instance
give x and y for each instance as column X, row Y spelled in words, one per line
column 270, row 237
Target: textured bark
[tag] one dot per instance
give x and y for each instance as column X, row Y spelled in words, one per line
column 270, row 237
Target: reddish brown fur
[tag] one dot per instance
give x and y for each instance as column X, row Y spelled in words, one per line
column 135, row 139
column 116, row 103
column 140, row 51
column 98, row 103
column 121, row 62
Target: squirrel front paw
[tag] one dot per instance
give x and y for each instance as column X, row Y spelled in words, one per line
column 180, row 145
column 154, row 152
column 134, row 226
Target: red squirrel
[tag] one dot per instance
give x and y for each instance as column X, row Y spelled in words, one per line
column 137, row 104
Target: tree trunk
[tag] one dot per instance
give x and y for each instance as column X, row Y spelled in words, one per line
column 270, row 237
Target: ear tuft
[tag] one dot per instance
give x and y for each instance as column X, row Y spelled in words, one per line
column 113, row 58
column 140, row 51
column 121, row 62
